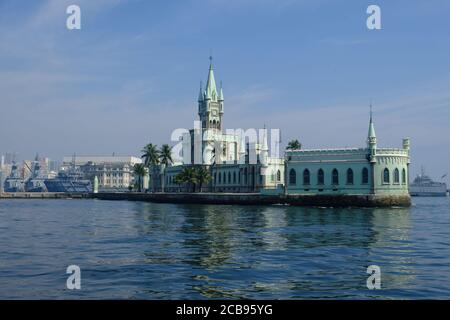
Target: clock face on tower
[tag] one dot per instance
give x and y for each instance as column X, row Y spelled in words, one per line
column 214, row 112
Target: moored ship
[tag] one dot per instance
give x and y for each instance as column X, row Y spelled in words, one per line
column 70, row 181
column 424, row 186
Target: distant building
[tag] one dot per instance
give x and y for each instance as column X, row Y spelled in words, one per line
column 113, row 172
column 81, row 160
column 10, row 158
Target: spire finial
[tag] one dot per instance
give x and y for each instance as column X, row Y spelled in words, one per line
column 210, row 58
column 371, row 138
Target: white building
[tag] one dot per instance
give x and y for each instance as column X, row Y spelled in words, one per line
column 113, row 172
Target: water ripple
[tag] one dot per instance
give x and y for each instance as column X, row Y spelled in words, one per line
column 130, row 250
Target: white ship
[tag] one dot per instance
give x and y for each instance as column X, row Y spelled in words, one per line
column 424, row 186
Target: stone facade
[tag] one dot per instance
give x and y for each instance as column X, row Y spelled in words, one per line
column 112, row 172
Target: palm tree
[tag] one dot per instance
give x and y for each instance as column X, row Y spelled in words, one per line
column 187, row 176
column 139, row 170
column 179, row 179
column 202, row 176
column 151, row 160
column 294, row 145
column 165, row 156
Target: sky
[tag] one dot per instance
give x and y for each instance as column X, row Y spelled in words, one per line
column 131, row 75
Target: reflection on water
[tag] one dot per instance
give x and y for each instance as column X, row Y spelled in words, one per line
column 145, row 250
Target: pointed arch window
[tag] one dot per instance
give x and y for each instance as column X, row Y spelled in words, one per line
column 306, row 177
column 229, row 177
column 396, row 176
column 386, row 176
column 292, row 177
column 278, row 175
column 335, row 177
column 365, row 176
column 403, row 176
column 320, row 177
column 220, row 177
column 349, row 176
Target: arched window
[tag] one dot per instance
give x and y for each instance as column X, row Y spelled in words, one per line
column 220, row 177
column 292, row 177
column 245, row 176
column 306, row 177
column 365, row 176
column 404, row 176
column 215, row 177
column 234, row 177
column 349, row 176
column 278, row 175
column 229, row 177
column 320, row 177
column 386, row 175
column 396, row 176
column 335, row 177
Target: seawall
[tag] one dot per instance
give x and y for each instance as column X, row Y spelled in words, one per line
column 230, row 198
column 45, row 195
column 258, row 199
column 194, row 198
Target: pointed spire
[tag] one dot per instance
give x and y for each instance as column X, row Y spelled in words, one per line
column 200, row 94
column 211, row 90
column 371, row 125
column 221, row 92
column 371, row 137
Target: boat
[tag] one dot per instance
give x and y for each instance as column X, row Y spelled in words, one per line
column 424, row 186
column 68, row 181
column 35, row 185
column 14, row 183
column 36, row 182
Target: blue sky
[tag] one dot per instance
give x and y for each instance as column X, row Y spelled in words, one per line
column 308, row 67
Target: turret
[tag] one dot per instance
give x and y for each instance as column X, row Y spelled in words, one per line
column 200, row 94
column 210, row 103
column 200, row 99
column 211, row 90
column 372, row 138
column 221, row 98
column 406, row 143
